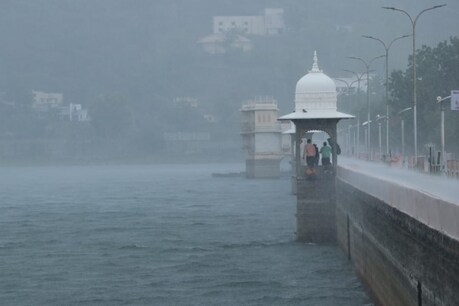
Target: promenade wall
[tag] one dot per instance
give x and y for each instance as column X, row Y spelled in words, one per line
column 402, row 242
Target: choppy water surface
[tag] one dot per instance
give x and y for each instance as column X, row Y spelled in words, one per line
column 159, row 235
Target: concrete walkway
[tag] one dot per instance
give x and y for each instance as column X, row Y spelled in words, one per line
column 437, row 186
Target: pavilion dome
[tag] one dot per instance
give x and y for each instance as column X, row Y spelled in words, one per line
column 315, row 91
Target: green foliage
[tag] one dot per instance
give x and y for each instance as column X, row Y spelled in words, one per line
column 437, row 74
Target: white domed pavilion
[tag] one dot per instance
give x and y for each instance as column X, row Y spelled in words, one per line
column 315, row 186
column 315, row 109
column 315, row 91
column 315, row 96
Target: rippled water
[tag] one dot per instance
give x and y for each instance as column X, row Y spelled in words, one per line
column 159, row 235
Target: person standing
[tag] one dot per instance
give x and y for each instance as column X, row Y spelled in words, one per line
column 326, row 153
column 309, row 153
column 317, row 156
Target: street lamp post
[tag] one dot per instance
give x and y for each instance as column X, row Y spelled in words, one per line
column 403, row 140
column 413, row 24
column 378, row 118
column 379, row 131
column 366, row 126
column 348, row 90
column 359, row 78
column 367, row 66
column 352, row 139
column 386, row 48
column 403, row 132
column 443, row 157
column 349, row 145
column 348, row 85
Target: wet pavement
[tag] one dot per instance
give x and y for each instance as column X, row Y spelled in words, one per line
column 435, row 185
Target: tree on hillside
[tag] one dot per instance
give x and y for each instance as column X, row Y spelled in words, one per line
column 437, row 74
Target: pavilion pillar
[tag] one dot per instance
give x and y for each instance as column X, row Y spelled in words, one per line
column 316, row 194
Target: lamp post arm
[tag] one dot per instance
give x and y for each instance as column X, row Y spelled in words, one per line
column 344, row 81
column 425, row 10
column 367, row 66
column 399, row 10
column 379, row 117
column 397, row 38
column 359, row 77
column 375, row 58
column 353, row 82
column 377, row 39
column 440, row 99
column 404, row 110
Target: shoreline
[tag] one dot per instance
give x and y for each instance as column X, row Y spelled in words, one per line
column 154, row 160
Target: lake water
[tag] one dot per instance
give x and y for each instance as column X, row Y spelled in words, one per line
column 160, row 235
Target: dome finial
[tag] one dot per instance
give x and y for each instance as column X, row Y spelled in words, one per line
column 315, row 65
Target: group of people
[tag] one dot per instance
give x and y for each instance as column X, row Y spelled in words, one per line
column 312, row 153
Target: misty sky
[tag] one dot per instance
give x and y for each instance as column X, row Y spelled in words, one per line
column 149, row 48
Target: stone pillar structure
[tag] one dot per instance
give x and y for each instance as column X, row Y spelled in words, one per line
column 261, row 136
column 316, row 193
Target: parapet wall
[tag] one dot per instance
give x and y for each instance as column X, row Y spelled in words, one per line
column 436, row 213
column 396, row 238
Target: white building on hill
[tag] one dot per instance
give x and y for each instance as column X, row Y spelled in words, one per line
column 44, row 101
column 219, row 43
column 270, row 23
